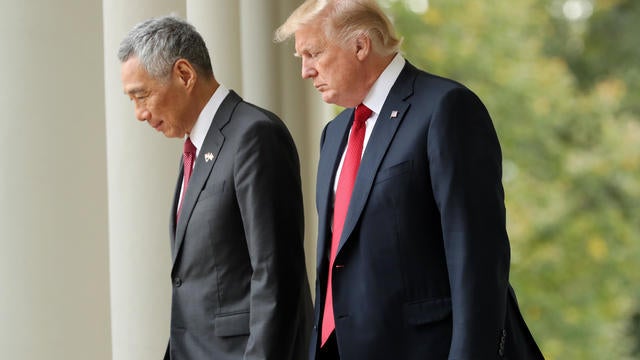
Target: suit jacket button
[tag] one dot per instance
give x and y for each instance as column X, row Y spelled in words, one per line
column 177, row 282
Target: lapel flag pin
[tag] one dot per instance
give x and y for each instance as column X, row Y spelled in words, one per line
column 394, row 113
column 208, row 157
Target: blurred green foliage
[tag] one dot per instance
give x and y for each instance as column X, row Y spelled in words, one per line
column 561, row 79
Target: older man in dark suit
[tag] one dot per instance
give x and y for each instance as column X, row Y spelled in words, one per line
column 413, row 255
column 240, row 288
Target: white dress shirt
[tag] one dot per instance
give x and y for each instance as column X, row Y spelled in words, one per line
column 201, row 127
column 375, row 100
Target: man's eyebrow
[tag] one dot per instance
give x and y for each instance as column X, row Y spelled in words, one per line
column 133, row 91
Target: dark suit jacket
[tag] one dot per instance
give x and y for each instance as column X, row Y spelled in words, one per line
column 240, row 288
column 423, row 263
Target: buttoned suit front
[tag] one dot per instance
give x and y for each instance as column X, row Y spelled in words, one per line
column 422, row 269
column 240, row 289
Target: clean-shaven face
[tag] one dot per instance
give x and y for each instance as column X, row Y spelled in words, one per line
column 335, row 70
column 160, row 103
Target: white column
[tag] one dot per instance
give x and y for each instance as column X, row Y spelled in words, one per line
column 53, row 191
column 142, row 171
column 261, row 82
column 218, row 21
column 318, row 114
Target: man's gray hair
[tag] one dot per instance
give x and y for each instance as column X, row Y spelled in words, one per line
column 159, row 42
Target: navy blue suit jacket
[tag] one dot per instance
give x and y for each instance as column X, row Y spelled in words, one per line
column 422, row 270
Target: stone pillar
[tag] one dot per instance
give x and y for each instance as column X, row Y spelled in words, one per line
column 142, row 171
column 317, row 116
column 53, row 189
column 261, row 80
column 218, row 21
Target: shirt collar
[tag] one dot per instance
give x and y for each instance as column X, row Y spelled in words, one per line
column 201, row 127
column 380, row 90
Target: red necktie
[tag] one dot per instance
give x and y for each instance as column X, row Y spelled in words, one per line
column 188, row 157
column 341, row 205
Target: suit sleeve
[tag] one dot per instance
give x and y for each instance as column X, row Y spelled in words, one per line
column 267, row 181
column 465, row 165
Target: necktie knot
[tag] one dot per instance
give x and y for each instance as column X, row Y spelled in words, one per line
column 361, row 115
column 189, row 148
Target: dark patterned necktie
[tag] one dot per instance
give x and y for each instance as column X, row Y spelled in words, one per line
column 188, row 157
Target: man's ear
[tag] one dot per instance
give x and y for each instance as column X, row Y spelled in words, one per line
column 363, row 47
column 185, row 73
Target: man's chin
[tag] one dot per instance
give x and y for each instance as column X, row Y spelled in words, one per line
column 326, row 97
column 172, row 134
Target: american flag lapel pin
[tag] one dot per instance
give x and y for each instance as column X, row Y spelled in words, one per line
column 394, row 114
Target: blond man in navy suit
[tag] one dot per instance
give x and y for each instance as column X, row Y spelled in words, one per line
column 421, row 269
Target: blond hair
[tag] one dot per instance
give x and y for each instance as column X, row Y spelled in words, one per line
column 344, row 20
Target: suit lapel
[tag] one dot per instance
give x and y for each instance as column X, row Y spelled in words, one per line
column 335, row 141
column 390, row 117
column 207, row 157
column 174, row 208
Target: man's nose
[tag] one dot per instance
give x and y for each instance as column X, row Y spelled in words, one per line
column 308, row 71
column 142, row 114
